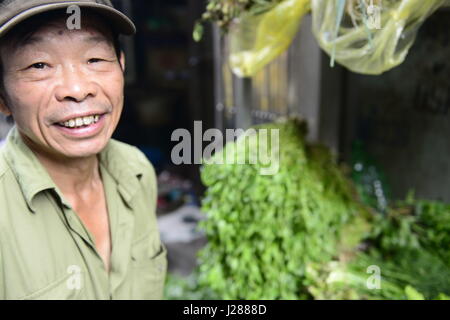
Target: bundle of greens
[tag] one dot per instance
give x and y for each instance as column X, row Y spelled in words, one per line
column 302, row 233
column 264, row 230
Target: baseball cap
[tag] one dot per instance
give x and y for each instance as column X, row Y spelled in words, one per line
column 12, row 12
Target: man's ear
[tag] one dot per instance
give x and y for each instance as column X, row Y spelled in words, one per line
column 3, row 106
column 122, row 60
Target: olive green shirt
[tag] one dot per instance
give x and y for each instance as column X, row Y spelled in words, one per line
column 46, row 252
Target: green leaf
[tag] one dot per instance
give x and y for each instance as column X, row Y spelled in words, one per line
column 413, row 294
column 198, row 32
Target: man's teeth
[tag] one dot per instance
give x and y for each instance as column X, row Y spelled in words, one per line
column 80, row 122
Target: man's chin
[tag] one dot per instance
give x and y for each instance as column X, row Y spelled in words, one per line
column 83, row 150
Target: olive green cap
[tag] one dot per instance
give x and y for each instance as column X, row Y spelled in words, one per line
column 12, row 12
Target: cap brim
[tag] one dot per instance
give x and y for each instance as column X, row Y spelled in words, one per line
column 121, row 22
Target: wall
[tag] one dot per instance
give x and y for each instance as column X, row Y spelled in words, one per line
column 403, row 116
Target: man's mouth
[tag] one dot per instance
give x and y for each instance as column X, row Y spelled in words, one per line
column 80, row 122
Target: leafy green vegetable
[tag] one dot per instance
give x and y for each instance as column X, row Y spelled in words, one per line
column 413, row 294
column 178, row 287
column 302, row 233
column 263, row 230
column 409, row 245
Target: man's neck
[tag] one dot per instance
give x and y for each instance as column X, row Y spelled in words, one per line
column 73, row 176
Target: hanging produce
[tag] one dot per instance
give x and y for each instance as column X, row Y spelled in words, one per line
column 369, row 36
column 256, row 40
column 224, row 12
column 365, row 36
column 259, row 31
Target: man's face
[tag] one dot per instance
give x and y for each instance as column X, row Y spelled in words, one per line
column 65, row 89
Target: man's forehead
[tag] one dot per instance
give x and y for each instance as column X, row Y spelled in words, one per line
column 92, row 31
column 87, row 37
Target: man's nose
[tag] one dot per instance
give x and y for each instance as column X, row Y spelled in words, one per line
column 75, row 85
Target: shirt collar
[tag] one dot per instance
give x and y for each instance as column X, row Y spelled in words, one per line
column 125, row 169
column 33, row 178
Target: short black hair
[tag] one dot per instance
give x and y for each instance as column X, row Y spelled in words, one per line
column 26, row 29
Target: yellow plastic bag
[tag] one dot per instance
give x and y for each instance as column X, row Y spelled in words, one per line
column 369, row 36
column 256, row 40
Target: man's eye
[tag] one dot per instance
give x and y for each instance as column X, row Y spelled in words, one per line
column 39, row 65
column 94, row 60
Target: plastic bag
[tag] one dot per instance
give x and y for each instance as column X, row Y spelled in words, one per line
column 256, row 40
column 369, row 36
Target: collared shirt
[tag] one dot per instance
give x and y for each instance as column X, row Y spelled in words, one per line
column 46, row 252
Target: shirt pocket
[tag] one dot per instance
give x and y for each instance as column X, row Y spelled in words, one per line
column 149, row 268
column 57, row 290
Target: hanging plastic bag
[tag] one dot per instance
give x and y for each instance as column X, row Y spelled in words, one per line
column 369, row 36
column 256, row 40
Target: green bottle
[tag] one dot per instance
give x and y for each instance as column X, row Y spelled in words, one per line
column 369, row 180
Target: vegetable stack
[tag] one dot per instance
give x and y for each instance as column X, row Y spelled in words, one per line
column 302, row 233
column 264, row 230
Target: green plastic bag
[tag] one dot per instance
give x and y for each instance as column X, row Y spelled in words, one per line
column 369, row 36
column 256, row 40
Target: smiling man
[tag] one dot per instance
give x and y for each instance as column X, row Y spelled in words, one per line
column 77, row 208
